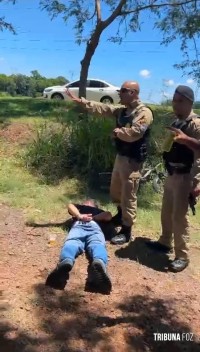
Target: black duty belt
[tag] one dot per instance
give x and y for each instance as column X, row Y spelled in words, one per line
column 178, row 170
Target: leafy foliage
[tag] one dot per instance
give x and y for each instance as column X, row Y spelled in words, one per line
column 71, row 147
column 20, row 84
column 183, row 22
column 4, row 24
column 82, row 145
column 47, row 153
column 175, row 19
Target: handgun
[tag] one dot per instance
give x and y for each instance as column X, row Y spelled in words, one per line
column 192, row 203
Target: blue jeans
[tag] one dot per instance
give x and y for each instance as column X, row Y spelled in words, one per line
column 84, row 236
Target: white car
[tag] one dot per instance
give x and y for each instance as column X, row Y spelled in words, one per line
column 96, row 90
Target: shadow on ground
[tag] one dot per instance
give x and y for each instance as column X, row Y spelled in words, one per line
column 139, row 252
column 65, row 225
column 67, row 323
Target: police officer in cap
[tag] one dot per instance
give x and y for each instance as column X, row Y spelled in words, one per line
column 183, row 180
column 133, row 120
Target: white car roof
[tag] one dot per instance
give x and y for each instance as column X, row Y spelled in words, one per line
column 92, row 79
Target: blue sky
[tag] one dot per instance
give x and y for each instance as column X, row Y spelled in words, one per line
column 49, row 46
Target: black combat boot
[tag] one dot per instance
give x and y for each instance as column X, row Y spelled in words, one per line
column 117, row 219
column 123, row 236
column 58, row 278
column 98, row 276
column 157, row 246
column 178, row 264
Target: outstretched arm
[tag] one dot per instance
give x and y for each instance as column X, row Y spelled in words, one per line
column 73, row 97
column 107, row 110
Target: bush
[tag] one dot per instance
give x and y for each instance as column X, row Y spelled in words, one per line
column 162, row 117
column 82, row 145
column 72, row 146
column 47, row 154
column 91, row 145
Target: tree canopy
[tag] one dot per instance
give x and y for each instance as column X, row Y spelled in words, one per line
column 3, row 23
column 33, row 85
column 175, row 19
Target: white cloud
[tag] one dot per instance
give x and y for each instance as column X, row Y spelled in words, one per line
column 168, row 82
column 190, row 81
column 145, row 73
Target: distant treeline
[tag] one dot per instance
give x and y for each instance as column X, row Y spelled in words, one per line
column 168, row 102
column 32, row 86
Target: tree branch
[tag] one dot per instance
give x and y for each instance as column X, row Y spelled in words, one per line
column 116, row 13
column 141, row 8
column 98, row 10
column 6, row 25
column 194, row 40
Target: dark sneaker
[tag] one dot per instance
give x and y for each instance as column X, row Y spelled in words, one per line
column 98, row 276
column 57, row 279
column 178, row 264
column 157, row 246
column 123, row 236
column 117, row 219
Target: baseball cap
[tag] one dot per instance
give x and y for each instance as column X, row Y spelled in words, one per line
column 186, row 92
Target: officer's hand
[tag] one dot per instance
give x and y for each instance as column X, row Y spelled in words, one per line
column 116, row 131
column 179, row 136
column 72, row 96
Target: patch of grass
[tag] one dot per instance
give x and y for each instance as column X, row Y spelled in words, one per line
column 45, row 202
column 47, row 155
column 148, row 222
column 19, row 107
column 25, row 191
column 71, row 147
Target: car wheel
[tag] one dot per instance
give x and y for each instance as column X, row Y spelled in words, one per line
column 57, row 96
column 106, row 100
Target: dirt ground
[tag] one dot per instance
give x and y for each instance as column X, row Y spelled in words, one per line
column 145, row 299
column 16, row 132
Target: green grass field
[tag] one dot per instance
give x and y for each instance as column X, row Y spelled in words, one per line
column 40, row 201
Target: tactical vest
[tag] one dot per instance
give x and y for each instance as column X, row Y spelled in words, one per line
column 179, row 153
column 134, row 150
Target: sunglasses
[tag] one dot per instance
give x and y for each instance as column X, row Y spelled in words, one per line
column 126, row 90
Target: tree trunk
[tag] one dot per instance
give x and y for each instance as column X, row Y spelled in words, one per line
column 92, row 45
column 85, row 63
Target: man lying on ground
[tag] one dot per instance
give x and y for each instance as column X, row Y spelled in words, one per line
column 85, row 234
